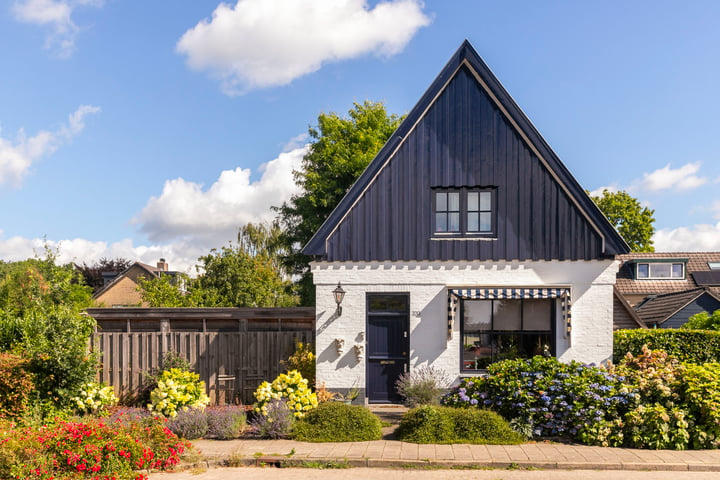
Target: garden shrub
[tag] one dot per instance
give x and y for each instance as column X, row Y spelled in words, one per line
column 303, row 360
column 338, row 422
column 291, row 388
column 276, row 421
column 89, row 449
column 16, row 386
column 176, row 389
column 189, row 423
column 95, row 398
column 552, row 397
column 703, row 321
column 434, row 424
column 141, row 396
column 693, row 346
column 422, row 386
column 225, row 422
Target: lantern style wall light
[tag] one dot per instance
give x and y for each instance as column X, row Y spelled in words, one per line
column 339, row 294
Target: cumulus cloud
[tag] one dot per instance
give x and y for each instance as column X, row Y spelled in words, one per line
column 703, row 237
column 181, row 256
column 184, row 210
column 56, row 15
column 264, row 43
column 598, row 191
column 667, row 178
column 17, row 156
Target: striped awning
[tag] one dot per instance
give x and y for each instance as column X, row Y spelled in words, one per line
column 517, row 293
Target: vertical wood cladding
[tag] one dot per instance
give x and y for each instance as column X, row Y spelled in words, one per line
column 464, row 140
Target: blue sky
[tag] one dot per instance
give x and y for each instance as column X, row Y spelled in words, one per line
column 155, row 129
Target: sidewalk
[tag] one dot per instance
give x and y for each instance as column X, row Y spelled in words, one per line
column 393, row 453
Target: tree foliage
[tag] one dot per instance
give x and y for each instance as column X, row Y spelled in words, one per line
column 703, row 321
column 633, row 221
column 249, row 274
column 41, row 320
column 341, row 148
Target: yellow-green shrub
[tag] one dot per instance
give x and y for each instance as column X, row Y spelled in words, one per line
column 176, row 389
column 290, row 387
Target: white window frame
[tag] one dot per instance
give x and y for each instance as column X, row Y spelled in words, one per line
column 650, row 266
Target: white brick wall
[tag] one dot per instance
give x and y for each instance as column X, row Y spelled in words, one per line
column 427, row 282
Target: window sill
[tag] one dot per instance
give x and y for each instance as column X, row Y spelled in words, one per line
column 460, row 236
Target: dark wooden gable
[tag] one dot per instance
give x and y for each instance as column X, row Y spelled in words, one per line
column 466, row 132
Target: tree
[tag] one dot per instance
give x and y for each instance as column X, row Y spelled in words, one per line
column 341, row 148
column 633, row 221
column 172, row 291
column 94, row 273
column 703, row 321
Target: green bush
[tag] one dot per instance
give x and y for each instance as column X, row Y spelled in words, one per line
column 303, row 360
column 422, row 386
column 433, row 424
column 338, row 422
column 16, row 386
column 703, row 321
column 693, row 346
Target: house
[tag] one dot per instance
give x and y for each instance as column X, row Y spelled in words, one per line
column 665, row 289
column 465, row 241
column 122, row 290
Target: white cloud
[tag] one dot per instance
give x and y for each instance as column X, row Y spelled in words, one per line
column 56, row 15
column 703, row 237
column 598, row 191
column 181, row 256
column 263, row 43
column 210, row 217
column 666, row 178
column 17, row 156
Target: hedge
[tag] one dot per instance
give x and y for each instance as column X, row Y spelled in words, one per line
column 693, row 346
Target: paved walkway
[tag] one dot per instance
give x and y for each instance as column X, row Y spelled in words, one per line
column 393, row 453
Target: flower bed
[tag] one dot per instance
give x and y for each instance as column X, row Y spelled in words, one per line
column 88, row 449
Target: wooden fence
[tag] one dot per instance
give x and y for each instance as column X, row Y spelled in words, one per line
column 232, row 364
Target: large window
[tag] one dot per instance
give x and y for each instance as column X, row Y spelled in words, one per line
column 494, row 330
column 464, row 211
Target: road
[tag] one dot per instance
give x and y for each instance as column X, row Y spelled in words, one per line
column 255, row 473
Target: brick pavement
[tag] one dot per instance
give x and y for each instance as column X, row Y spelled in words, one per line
column 390, row 453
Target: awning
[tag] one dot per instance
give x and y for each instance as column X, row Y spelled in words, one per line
column 517, row 293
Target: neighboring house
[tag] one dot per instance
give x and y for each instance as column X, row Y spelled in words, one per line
column 121, row 290
column 665, row 289
column 465, row 241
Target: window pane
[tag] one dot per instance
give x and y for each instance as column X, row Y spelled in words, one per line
column 714, row 265
column 506, row 314
column 473, row 224
column 677, row 270
column 441, row 202
column 472, row 201
column 485, row 201
column 387, row 303
column 453, row 201
column 485, row 222
column 441, row 222
column 477, row 315
column 536, row 314
column 642, row 270
column 453, row 222
column 660, row 270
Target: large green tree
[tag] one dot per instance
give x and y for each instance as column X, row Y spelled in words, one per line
column 340, row 149
column 633, row 221
column 248, row 274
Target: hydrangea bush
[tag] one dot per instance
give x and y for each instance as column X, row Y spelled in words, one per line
column 290, row 387
column 95, row 397
column 176, row 389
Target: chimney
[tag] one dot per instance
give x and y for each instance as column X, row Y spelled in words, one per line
column 162, row 265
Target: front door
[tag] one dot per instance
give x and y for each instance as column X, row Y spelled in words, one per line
column 388, row 322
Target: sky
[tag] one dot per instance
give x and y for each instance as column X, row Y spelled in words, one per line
column 156, row 129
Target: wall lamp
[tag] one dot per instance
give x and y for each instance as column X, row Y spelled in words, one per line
column 339, row 294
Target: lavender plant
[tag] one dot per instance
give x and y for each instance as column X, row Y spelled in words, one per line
column 226, row 422
column 189, row 423
column 277, row 422
column 422, row 386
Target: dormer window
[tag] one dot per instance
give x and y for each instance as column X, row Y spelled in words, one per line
column 714, row 265
column 464, row 211
column 660, row 270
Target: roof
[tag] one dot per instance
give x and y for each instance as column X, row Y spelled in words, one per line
column 696, row 262
column 466, row 56
column 153, row 271
column 658, row 309
column 624, row 316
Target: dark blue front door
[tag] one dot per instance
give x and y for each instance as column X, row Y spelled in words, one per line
column 388, row 319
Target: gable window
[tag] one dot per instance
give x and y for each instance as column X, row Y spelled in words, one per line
column 714, row 265
column 660, row 270
column 494, row 330
column 464, row 211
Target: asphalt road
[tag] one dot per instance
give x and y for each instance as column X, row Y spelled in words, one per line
column 255, row 473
